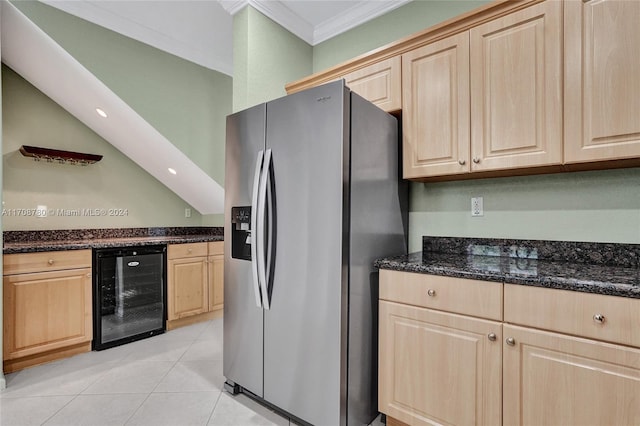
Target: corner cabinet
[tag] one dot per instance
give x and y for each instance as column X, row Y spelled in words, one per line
column 47, row 307
column 439, row 367
column 486, row 99
column 602, row 80
column 379, row 83
column 194, row 282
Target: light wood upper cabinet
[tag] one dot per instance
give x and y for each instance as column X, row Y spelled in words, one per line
column 48, row 314
column 516, row 98
column 379, row 83
column 602, row 80
column 486, row 99
column 435, row 98
column 552, row 379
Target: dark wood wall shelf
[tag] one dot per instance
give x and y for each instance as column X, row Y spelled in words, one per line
column 59, row 156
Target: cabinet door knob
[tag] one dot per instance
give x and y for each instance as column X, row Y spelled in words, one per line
column 476, row 160
column 189, row 250
column 462, row 162
column 599, row 318
column 431, row 292
column 492, row 337
column 50, row 262
column 511, row 341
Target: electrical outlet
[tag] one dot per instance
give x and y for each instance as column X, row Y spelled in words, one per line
column 187, row 212
column 477, row 208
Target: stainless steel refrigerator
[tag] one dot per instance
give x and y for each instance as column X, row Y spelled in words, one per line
column 313, row 197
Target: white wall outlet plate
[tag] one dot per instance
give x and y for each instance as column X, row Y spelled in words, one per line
column 477, row 208
column 187, row 212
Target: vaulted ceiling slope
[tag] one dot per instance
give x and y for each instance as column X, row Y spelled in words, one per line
column 46, row 65
column 201, row 31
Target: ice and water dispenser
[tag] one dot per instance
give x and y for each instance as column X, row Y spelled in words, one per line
column 241, row 233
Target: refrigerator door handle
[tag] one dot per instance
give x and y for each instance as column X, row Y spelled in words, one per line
column 254, row 228
column 262, row 273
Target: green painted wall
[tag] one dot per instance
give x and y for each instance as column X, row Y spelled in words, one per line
column 599, row 206
column 265, row 57
column 184, row 101
column 399, row 23
column 31, row 118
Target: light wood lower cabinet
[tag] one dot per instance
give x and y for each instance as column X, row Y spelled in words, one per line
column 195, row 282
column 437, row 367
column 556, row 358
column 46, row 315
column 216, row 275
column 554, row 379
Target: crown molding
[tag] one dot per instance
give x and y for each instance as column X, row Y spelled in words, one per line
column 359, row 13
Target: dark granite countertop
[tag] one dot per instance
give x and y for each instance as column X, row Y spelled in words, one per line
column 614, row 271
column 38, row 241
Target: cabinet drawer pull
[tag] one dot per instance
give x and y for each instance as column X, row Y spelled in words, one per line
column 511, row 341
column 599, row 318
column 431, row 292
column 462, row 162
column 492, row 337
column 50, row 262
column 476, row 160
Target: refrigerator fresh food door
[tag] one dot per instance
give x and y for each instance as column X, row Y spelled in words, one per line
column 305, row 341
column 243, row 320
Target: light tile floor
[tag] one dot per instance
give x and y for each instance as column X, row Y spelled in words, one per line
column 173, row 379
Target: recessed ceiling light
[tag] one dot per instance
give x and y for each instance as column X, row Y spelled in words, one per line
column 101, row 113
column 172, row 171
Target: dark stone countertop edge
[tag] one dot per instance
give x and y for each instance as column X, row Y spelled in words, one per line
column 594, row 286
column 97, row 243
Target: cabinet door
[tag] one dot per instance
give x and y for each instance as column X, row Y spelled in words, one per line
column 438, row 368
column 187, row 287
column 45, row 311
column 435, row 104
column 602, row 80
column 516, row 76
column 216, row 282
column 379, row 83
column 552, row 379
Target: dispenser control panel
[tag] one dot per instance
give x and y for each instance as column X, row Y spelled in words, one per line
column 241, row 232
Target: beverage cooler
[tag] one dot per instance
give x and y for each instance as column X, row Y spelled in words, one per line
column 129, row 294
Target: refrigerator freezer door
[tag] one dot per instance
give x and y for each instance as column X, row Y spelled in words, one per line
column 305, row 344
column 243, row 320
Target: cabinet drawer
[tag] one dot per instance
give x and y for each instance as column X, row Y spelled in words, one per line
column 468, row 297
column 176, row 251
column 574, row 313
column 216, row 247
column 21, row 263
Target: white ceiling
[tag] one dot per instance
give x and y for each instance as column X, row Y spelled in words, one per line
column 201, row 31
